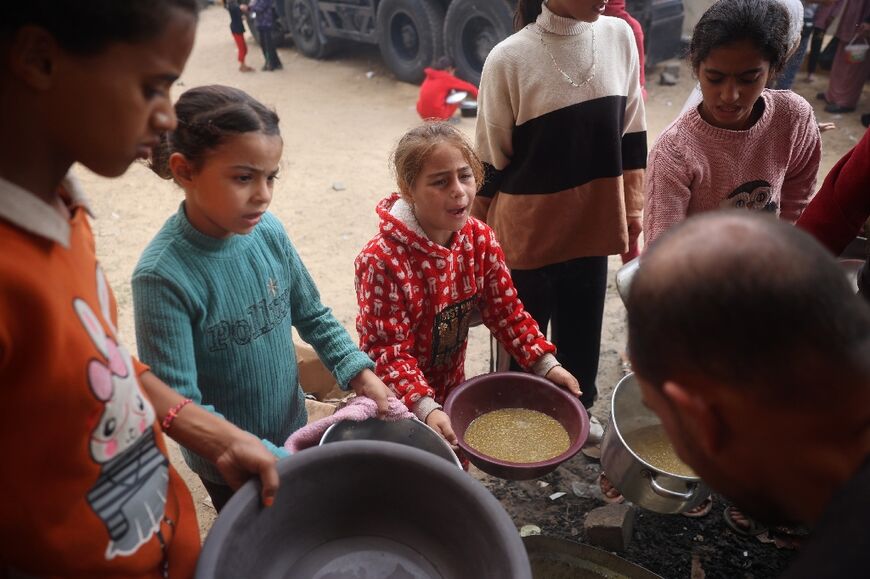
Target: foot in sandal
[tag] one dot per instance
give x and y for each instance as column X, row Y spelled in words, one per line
column 741, row 524
column 611, row 493
column 701, row 510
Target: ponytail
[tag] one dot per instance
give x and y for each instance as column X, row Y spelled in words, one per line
column 159, row 161
column 527, row 12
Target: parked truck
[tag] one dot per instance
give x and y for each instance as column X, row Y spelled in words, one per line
column 412, row 33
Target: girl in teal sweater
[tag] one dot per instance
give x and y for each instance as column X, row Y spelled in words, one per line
column 217, row 290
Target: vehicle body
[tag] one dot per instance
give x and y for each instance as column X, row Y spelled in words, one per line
column 411, row 34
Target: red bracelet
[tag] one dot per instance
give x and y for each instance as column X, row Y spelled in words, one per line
column 173, row 412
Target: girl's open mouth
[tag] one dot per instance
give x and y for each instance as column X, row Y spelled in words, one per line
column 457, row 212
column 252, row 218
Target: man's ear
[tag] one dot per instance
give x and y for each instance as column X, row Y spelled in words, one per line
column 698, row 415
column 32, row 57
column 181, row 168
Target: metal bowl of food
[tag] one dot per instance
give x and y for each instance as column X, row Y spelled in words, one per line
column 639, row 459
column 536, row 418
column 410, row 432
column 553, row 558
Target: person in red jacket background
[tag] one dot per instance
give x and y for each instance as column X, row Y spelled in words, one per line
column 436, row 87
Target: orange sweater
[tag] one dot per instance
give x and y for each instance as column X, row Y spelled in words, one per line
column 87, row 488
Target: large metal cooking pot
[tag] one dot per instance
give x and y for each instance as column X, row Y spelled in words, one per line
column 637, row 480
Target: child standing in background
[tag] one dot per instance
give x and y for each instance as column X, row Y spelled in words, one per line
column 89, row 490
column 743, row 146
column 264, row 19
column 419, row 279
column 237, row 28
column 217, row 291
column 436, row 87
column 562, row 133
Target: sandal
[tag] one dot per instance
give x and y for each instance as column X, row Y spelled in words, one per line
column 741, row 524
column 609, row 492
column 701, row 510
column 592, row 447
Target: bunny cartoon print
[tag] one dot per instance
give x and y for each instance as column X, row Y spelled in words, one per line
column 130, row 493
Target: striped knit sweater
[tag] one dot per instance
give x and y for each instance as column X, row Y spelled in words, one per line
column 213, row 320
column 696, row 167
column 564, row 164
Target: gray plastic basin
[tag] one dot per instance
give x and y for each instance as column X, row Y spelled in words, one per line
column 365, row 509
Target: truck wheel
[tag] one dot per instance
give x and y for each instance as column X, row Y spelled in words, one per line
column 409, row 36
column 304, row 23
column 471, row 29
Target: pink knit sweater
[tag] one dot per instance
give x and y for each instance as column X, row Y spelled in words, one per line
column 695, row 167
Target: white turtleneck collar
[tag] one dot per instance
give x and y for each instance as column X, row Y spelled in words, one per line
column 559, row 24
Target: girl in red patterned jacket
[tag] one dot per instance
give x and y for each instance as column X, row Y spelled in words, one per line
column 419, row 279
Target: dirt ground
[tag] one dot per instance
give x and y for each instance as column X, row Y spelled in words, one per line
column 340, row 118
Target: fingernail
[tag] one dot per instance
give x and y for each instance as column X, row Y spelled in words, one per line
column 268, row 501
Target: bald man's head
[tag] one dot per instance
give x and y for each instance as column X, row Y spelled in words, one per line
column 747, row 301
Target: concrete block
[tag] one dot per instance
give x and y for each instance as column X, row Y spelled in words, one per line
column 610, row 527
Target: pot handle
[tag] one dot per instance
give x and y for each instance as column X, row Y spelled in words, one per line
column 668, row 493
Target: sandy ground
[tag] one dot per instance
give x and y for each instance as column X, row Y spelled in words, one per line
column 339, row 126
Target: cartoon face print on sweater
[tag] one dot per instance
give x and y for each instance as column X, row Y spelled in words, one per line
column 754, row 195
column 130, row 493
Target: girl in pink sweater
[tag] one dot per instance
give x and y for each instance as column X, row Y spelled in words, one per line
column 743, row 146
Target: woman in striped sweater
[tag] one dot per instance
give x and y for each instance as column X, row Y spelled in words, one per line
column 562, row 134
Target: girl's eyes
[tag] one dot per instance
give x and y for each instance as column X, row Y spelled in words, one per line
column 152, row 92
column 245, row 179
column 444, row 182
column 741, row 80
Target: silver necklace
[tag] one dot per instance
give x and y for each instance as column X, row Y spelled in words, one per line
column 564, row 74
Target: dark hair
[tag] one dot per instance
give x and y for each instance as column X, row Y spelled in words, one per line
column 207, row 116
column 764, row 23
column 527, row 12
column 88, row 26
column 416, row 145
column 749, row 302
column 443, row 63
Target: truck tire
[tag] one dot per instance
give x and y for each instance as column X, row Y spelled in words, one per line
column 409, row 36
column 303, row 19
column 471, row 29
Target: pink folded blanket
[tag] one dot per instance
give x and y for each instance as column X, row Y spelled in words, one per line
column 358, row 409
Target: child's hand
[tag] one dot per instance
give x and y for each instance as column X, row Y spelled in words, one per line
column 245, row 456
column 367, row 384
column 562, row 377
column 440, row 423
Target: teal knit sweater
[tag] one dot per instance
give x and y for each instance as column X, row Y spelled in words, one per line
column 213, row 321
